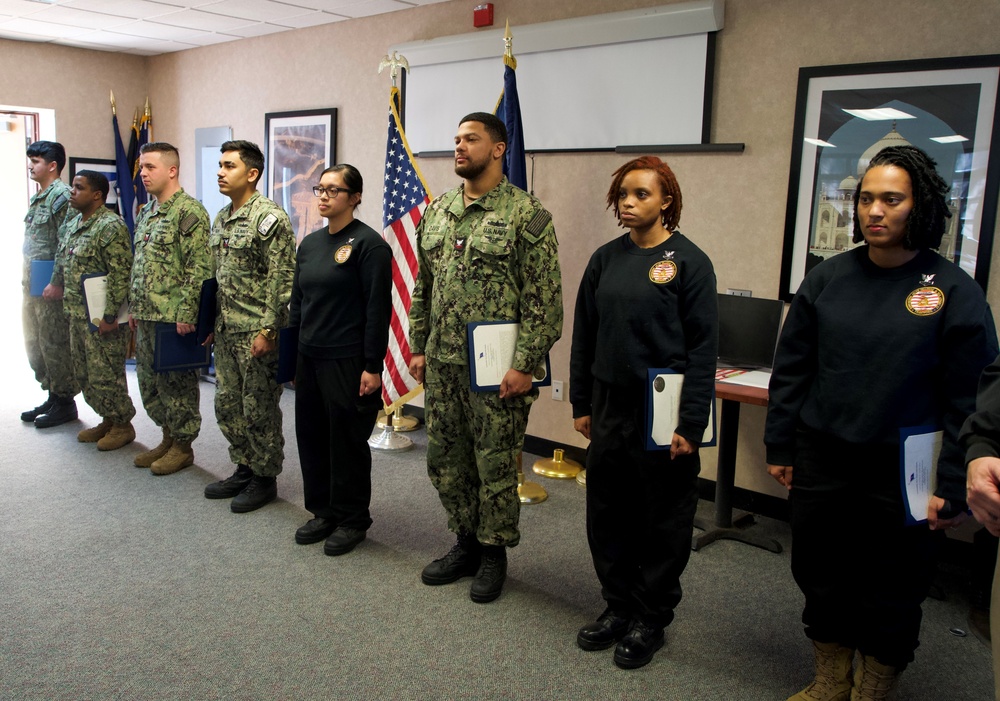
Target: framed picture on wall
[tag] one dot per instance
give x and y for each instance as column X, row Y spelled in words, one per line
column 104, row 166
column 298, row 147
column 845, row 114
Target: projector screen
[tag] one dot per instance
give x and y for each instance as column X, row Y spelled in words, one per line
column 581, row 98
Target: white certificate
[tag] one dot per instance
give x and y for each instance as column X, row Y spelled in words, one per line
column 919, row 451
column 491, row 354
column 95, row 299
column 664, row 410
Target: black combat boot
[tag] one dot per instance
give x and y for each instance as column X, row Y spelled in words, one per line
column 63, row 410
column 260, row 491
column 461, row 561
column 491, row 575
column 32, row 414
column 231, row 486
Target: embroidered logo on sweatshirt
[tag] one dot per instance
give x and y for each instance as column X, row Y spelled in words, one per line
column 925, row 301
column 343, row 253
column 663, row 271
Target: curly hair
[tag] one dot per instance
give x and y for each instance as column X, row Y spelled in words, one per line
column 668, row 183
column 927, row 220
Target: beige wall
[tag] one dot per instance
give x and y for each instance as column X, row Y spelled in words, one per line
column 734, row 205
column 76, row 83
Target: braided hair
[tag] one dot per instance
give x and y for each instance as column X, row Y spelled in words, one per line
column 927, row 220
column 668, row 183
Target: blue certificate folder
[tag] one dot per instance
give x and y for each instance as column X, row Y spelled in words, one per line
column 40, row 276
column 491, row 354
column 288, row 353
column 663, row 406
column 207, row 309
column 173, row 352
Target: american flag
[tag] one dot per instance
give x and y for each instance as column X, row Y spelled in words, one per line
column 404, row 199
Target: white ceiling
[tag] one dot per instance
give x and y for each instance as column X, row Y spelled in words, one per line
column 150, row 27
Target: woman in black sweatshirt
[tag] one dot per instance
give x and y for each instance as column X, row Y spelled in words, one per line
column 341, row 304
column 881, row 339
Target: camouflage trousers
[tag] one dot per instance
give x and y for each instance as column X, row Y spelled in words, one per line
column 172, row 399
column 99, row 363
column 246, row 403
column 46, row 340
column 473, row 443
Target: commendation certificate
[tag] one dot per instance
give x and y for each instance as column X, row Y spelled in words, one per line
column 491, row 355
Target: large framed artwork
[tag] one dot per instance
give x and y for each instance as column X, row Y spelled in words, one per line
column 845, row 114
column 104, row 166
column 298, row 147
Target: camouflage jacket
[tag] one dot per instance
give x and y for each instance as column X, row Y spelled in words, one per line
column 46, row 214
column 172, row 259
column 100, row 245
column 254, row 251
column 495, row 260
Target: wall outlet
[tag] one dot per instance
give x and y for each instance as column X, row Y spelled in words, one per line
column 738, row 293
column 557, row 390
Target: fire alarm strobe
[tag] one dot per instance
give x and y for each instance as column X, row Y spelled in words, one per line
column 482, row 15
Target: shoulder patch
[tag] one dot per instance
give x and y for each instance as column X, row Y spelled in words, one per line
column 538, row 223
column 59, row 202
column 267, row 223
column 188, row 223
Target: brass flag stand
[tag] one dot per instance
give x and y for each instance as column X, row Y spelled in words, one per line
column 557, row 467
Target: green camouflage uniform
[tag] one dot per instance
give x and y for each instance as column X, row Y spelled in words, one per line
column 254, row 250
column 172, row 259
column 46, row 331
column 495, row 260
column 100, row 245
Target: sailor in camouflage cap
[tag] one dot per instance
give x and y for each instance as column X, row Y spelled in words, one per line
column 172, row 260
column 46, row 331
column 254, row 251
column 487, row 252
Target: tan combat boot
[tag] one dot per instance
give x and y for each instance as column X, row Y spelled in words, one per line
column 873, row 680
column 119, row 435
column 150, row 456
column 833, row 674
column 177, row 458
column 92, row 435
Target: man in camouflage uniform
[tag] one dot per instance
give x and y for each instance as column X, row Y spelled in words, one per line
column 97, row 242
column 172, row 260
column 487, row 252
column 46, row 331
column 254, row 250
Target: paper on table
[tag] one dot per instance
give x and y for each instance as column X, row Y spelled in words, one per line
column 95, row 298
column 919, row 456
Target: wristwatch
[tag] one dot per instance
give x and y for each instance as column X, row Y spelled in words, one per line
column 269, row 333
column 110, row 318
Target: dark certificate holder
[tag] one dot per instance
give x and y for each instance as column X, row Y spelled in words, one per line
column 40, row 276
column 288, row 353
column 207, row 309
column 174, row 352
column 541, row 376
column 653, row 388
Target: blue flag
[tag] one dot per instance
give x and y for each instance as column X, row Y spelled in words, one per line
column 509, row 111
column 126, row 193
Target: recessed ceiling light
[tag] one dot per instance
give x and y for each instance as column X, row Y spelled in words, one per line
column 880, row 114
column 953, row 139
column 819, row 142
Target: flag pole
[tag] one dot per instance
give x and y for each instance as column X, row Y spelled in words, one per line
column 392, row 422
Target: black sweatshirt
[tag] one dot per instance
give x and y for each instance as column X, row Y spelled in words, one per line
column 341, row 295
column 866, row 351
column 981, row 432
column 640, row 308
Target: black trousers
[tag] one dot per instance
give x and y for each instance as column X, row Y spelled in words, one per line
column 332, row 427
column 640, row 510
column 864, row 573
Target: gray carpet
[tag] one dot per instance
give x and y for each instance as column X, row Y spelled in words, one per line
column 116, row 584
